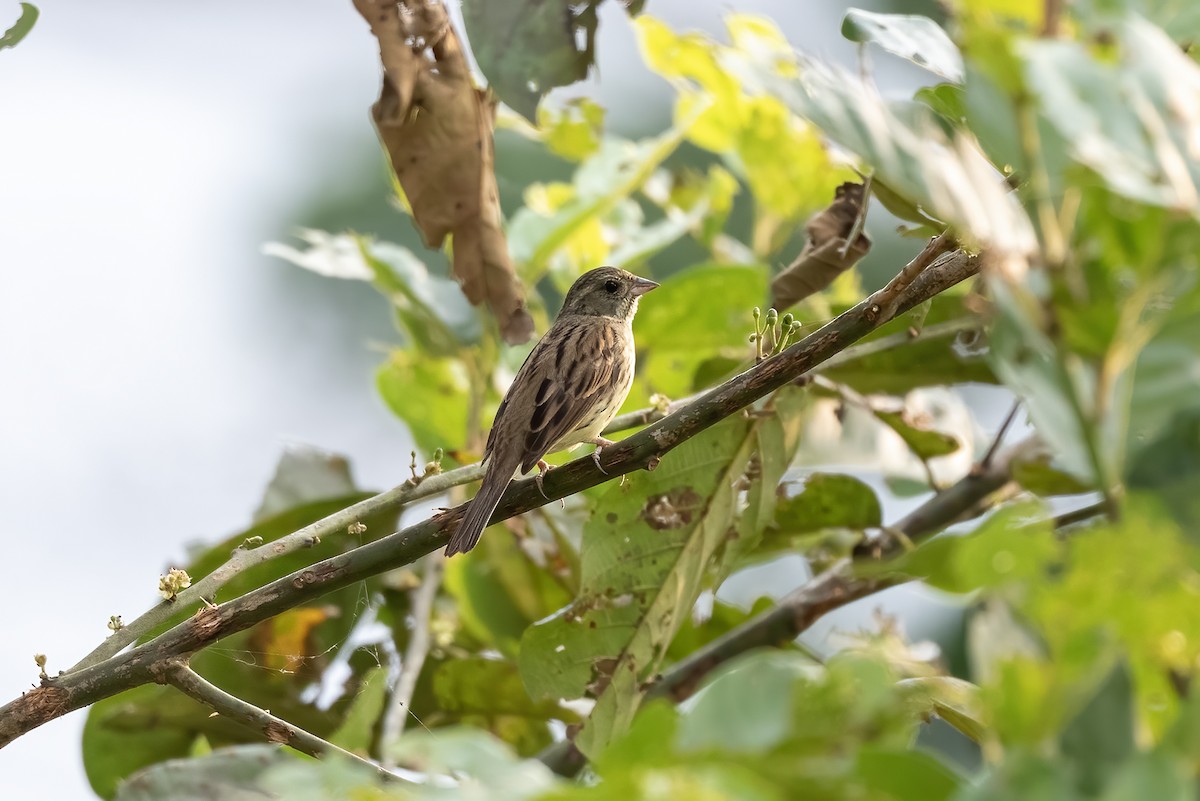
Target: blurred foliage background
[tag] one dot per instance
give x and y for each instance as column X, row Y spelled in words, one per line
column 1065, row 642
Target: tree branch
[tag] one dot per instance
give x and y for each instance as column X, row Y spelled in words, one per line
column 273, row 729
column 832, row 589
column 245, row 558
column 409, row 492
column 396, row 715
column 79, row 688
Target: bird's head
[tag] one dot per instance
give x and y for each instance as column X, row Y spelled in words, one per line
column 606, row 292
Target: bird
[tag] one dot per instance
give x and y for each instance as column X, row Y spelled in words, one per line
column 568, row 389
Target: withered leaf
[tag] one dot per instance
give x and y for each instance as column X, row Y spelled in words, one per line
column 826, row 255
column 436, row 127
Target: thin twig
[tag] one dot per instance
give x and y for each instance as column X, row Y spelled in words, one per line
column 396, row 715
column 273, row 729
column 245, row 558
column 888, row 298
column 142, row 664
column 1081, row 515
column 1000, row 434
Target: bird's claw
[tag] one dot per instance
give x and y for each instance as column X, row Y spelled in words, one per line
column 596, row 458
column 543, row 467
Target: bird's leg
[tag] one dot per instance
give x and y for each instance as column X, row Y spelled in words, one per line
column 600, row 443
column 543, row 467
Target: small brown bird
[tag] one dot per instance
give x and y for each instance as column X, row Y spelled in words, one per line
column 569, row 388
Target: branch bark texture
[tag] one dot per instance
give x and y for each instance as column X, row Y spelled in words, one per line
column 149, row 661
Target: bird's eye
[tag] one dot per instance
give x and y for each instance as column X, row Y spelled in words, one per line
column 611, row 286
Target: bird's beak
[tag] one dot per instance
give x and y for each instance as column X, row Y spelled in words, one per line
column 642, row 285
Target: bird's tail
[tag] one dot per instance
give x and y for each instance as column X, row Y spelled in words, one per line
column 495, row 481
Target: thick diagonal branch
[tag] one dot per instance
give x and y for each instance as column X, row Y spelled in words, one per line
column 142, row 664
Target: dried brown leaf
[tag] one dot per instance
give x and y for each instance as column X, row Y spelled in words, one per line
column 825, row 256
column 436, row 127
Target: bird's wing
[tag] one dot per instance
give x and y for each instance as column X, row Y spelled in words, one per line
column 566, row 378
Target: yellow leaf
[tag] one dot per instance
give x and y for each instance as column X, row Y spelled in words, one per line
column 755, row 34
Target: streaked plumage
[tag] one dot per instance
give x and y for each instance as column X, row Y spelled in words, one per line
column 569, row 388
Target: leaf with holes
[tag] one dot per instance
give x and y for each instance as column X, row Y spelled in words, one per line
column 645, row 553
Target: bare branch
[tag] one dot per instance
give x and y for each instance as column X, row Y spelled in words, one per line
column 273, row 729
column 1000, row 434
column 245, row 558
column 396, row 715
column 143, row 663
column 408, row 492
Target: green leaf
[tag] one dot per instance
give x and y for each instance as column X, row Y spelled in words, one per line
column 429, row 395
column 1140, row 154
column 1170, row 467
column 303, row 475
column 1164, row 388
column 1031, row 364
column 1016, row 543
column 946, row 178
column 748, row 706
column 918, row 39
column 575, row 131
column 1101, row 736
column 1152, row 775
column 779, row 702
column 946, row 99
column 231, row 774
column 783, row 160
column 486, row 764
column 924, row 442
column 645, row 552
column 905, row 487
column 1039, row 476
column 500, row 591
column 705, row 308
column 490, row 687
column 21, row 27
column 431, row 309
column 953, row 700
column 688, row 192
column 527, row 48
column 906, row 775
column 932, row 358
column 777, row 438
column 1026, row 777
column 145, row 726
column 1124, row 590
column 613, row 173
column 702, row 313
column 357, row 730
column 829, row 500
